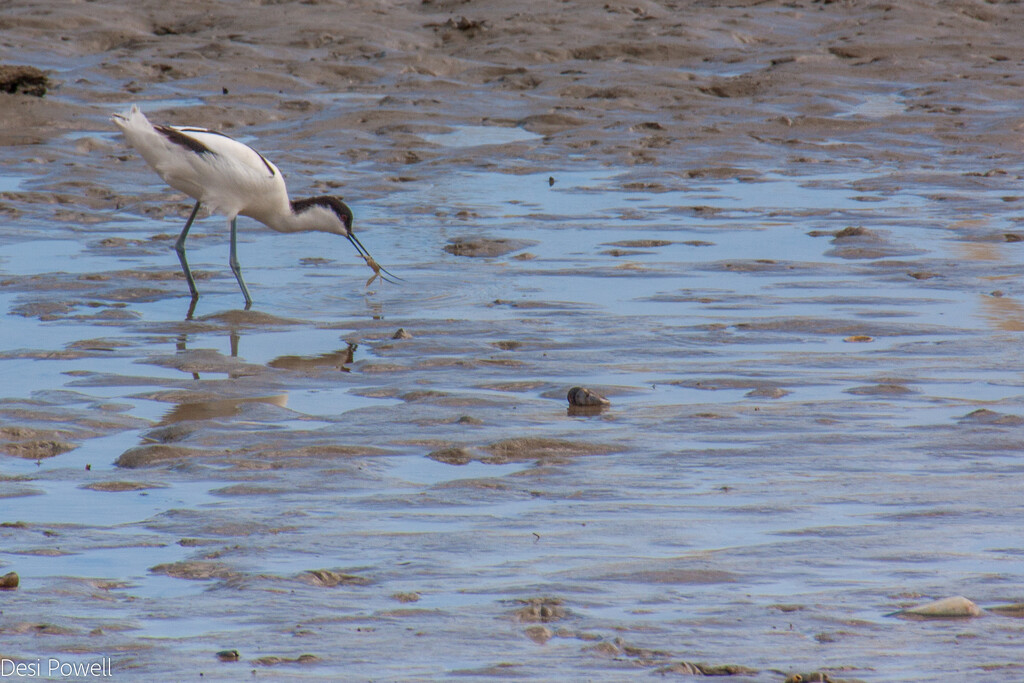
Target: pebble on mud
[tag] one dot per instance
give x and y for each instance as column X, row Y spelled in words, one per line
column 579, row 396
column 956, row 607
column 9, row 581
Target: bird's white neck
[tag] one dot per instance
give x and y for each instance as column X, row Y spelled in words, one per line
column 296, row 217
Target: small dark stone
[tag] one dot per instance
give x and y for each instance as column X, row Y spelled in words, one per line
column 578, row 396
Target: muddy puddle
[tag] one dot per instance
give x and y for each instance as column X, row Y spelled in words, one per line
column 788, row 258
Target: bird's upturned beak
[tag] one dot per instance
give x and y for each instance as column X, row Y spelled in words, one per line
column 388, row 276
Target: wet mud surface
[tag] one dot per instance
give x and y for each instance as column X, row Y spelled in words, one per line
column 783, row 240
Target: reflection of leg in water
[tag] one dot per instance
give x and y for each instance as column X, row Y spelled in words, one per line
column 181, row 343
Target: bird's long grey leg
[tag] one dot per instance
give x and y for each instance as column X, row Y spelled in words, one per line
column 235, row 268
column 179, row 247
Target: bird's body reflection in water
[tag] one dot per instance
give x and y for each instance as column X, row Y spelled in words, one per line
column 220, row 407
column 339, row 359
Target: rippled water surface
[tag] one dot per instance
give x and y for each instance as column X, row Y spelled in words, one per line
column 812, row 358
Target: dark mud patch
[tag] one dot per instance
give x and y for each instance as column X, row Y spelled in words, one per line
column 702, row 669
column 328, row 578
column 33, row 444
column 984, row 416
column 23, row 80
column 540, row 449
column 120, row 486
column 150, row 455
column 543, row 449
column 453, row 455
column 198, row 361
column 484, row 247
column 249, row 318
column 836, row 327
column 212, row 409
column 33, row 420
column 315, row 452
column 541, row 610
column 639, row 244
column 278, row 660
column 674, row 576
column 196, row 570
column 757, row 387
column 883, row 389
column 860, row 243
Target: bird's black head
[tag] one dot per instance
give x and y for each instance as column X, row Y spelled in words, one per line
column 333, row 204
column 315, row 207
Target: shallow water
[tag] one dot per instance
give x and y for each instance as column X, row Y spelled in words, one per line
column 811, row 348
column 713, row 506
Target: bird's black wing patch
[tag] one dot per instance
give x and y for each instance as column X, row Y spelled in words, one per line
column 179, row 138
column 217, row 132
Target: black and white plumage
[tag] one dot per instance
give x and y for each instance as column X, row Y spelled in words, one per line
column 232, row 179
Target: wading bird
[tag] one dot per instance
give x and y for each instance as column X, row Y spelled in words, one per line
column 233, row 179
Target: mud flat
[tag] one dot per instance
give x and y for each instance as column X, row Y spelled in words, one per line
column 782, row 239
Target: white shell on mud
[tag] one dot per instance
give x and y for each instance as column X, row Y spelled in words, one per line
column 946, row 608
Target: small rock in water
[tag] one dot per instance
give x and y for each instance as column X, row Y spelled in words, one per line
column 228, row 655
column 9, row 581
column 401, row 334
column 948, row 608
column 579, row 396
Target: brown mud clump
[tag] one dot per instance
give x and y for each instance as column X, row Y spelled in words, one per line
column 327, row 578
column 197, row 570
column 24, row 80
column 274, row 660
column 541, row 610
